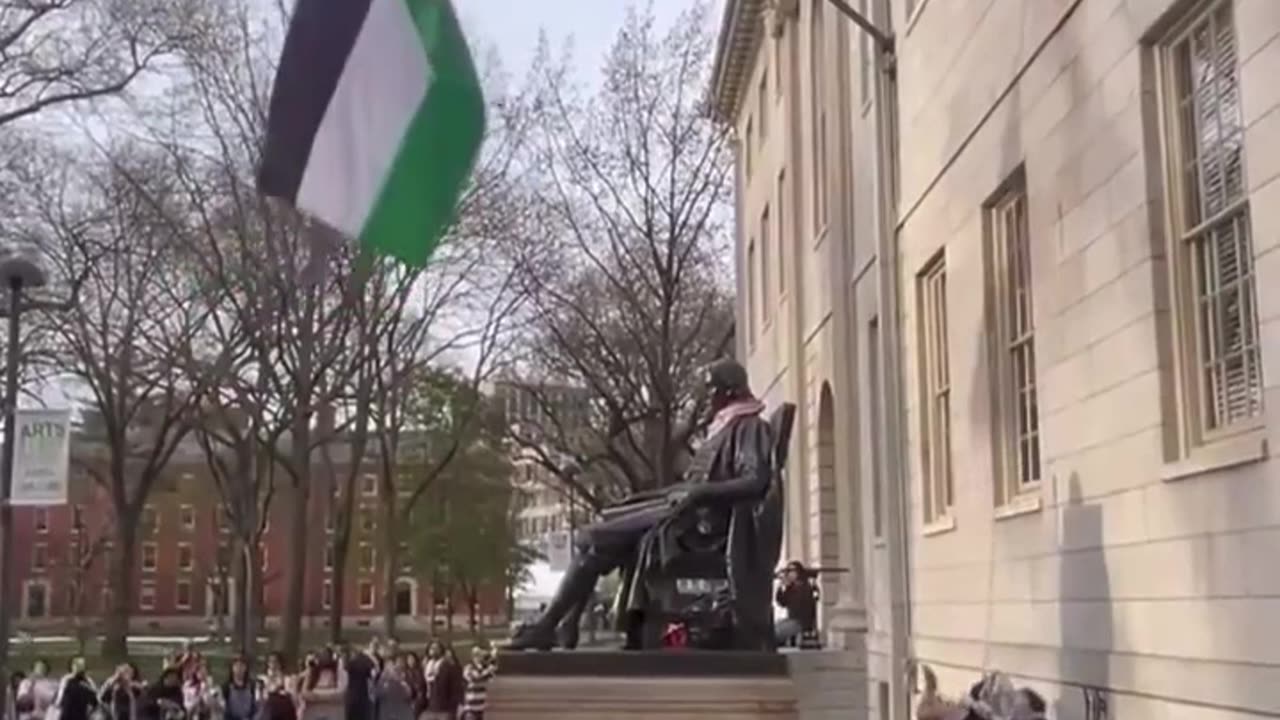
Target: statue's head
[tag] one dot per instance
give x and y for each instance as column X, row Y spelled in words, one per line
column 726, row 381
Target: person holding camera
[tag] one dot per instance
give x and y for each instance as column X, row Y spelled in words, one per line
column 799, row 597
column 121, row 694
column 322, row 687
column 477, row 675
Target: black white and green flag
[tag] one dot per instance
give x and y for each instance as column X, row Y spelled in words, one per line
column 375, row 121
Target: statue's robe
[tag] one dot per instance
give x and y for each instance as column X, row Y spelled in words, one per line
column 737, row 507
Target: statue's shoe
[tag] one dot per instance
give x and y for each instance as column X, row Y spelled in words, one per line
column 567, row 635
column 532, row 637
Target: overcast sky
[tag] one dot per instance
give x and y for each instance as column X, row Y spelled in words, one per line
column 512, row 26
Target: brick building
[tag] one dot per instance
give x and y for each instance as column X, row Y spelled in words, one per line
column 185, row 572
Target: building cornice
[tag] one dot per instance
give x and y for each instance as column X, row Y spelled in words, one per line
column 741, row 30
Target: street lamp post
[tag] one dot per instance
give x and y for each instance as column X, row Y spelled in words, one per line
column 19, row 273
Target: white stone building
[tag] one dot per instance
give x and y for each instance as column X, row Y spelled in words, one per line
column 1022, row 275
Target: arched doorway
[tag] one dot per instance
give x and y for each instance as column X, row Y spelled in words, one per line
column 406, row 597
column 824, row 539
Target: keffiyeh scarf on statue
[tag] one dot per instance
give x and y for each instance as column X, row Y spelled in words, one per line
column 731, row 412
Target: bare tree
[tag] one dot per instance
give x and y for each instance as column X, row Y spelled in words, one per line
column 83, row 555
column 409, row 321
column 58, row 52
column 377, row 312
column 124, row 340
column 629, row 276
column 284, row 290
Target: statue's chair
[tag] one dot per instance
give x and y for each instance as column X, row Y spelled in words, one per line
column 691, row 590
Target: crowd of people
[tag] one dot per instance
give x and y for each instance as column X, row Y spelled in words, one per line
column 380, row 682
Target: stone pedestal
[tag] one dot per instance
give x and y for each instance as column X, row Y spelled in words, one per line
column 846, row 628
column 687, row 685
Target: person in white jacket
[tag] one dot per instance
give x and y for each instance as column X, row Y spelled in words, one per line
column 36, row 693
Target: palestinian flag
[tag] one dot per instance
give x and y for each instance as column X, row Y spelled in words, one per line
column 375, row 121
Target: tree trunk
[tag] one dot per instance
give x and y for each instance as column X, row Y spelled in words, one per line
column 296, row 572
column 390, row 559
column 254, row 617
column 341, row 548
column 300, row 459
column 249, row 588
column 448, row 609
column 243, row 569
column 115, row 644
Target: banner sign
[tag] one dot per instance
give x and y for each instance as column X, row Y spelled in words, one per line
column 42, row 457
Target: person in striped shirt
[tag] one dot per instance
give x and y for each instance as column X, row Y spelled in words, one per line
column 477, row 674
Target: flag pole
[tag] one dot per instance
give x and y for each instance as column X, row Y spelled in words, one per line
column 884, row 41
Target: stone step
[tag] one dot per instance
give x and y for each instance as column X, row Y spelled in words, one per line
column 546, row 697
column 642, row 686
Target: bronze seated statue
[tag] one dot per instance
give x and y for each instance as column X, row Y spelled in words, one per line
column 697, row 558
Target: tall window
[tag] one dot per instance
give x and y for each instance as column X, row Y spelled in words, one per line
column 37, row 600
column 73, row 598
column 766, row 277
column 935, row 377
column 876, row 416
column 39, row 557
column 778, row 48
column 1017, row 407
column 41, row 520
column 748, row 146
column 1216, row 283
column 326, row 594
column 366, row 595
column 817, row 93
column 150, row 519
column 781, row 203
column 864, row 59
column 751, row 291
column 762, row 103
column 186, row 558
column 187, row 515
column 366, row 557
column 147, row 596
column 182, row 595
column 150, row 557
